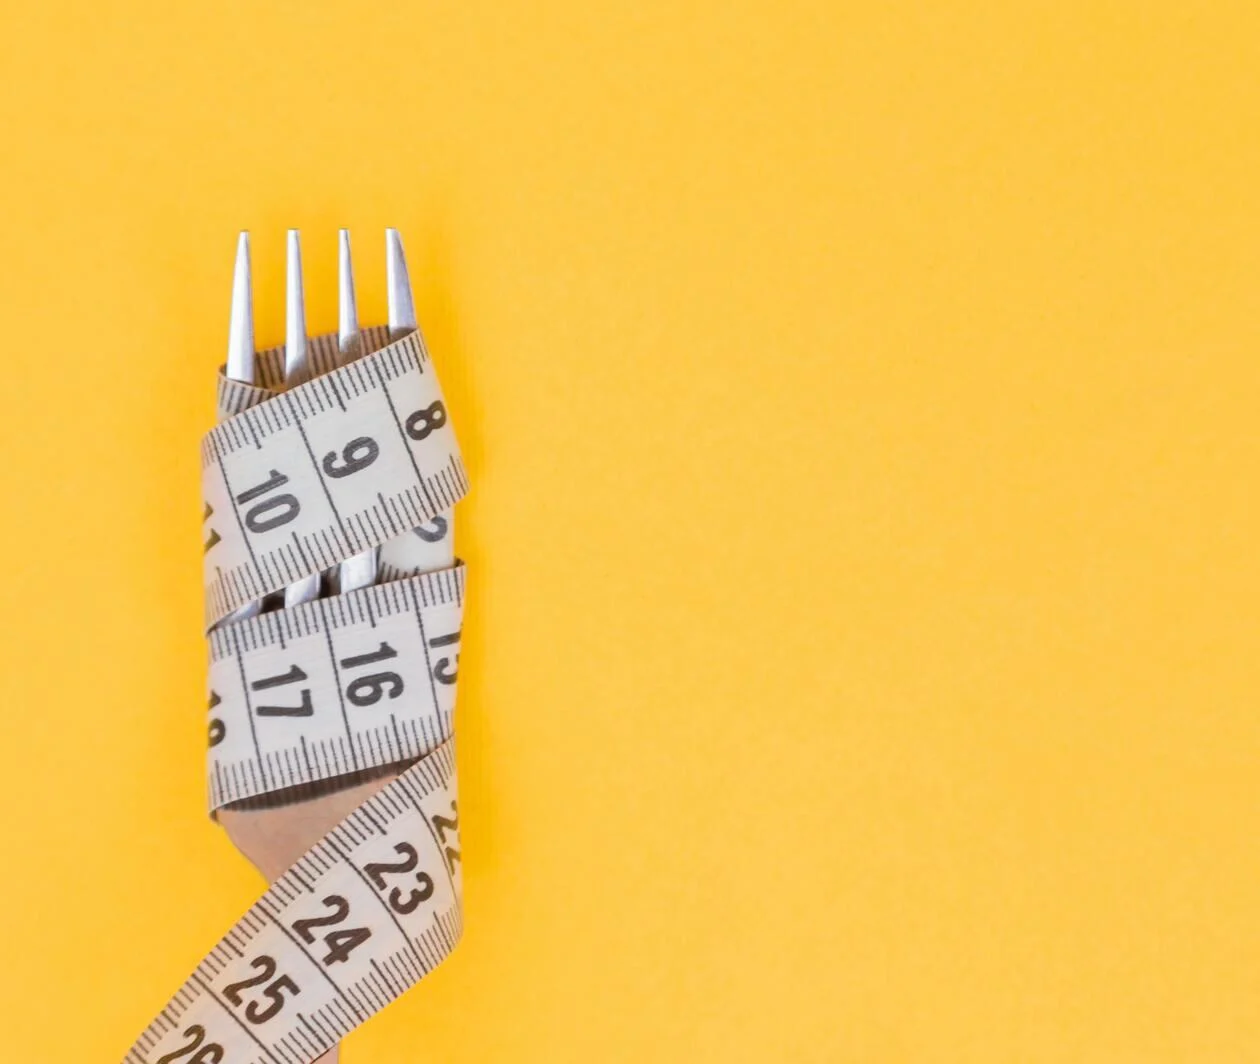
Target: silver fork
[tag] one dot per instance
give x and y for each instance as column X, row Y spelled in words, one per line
column 273, row 836
column 362, row 569
column 297, row 370
column 240, row 358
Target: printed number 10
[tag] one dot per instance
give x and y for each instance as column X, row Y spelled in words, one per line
column 270, row 512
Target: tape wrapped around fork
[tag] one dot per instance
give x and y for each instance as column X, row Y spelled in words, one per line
column 348, row 461
column 334, row 686
column 347, row 683
column 322, row 352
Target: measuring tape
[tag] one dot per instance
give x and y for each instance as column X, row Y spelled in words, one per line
column 360, row 456
column 315, row 475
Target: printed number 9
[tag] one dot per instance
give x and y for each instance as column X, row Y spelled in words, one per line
column 358, row 454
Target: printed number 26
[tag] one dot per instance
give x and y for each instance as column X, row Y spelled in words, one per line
column 210, row 1053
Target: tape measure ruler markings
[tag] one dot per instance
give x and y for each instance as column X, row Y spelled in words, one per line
column 375, row 903
column 339, row 684
column 369, row 910
column 426, row 547
column 361, row 455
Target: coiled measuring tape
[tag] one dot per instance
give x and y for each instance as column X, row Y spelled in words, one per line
column 295, row 482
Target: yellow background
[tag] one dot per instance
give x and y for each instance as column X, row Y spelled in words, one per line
column 861, row 659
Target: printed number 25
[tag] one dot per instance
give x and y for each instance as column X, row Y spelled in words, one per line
column 274, row 991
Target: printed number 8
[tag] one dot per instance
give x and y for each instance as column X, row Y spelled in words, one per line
column 425, row 421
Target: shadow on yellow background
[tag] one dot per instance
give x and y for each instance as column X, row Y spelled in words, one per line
column 860, row 663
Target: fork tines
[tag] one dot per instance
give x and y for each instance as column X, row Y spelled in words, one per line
column 361, row 570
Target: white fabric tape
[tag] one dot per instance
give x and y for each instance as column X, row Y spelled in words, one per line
column 426, row 547
column 333, row 686
column 368, row 911
column 318, row 474
column 295, row 482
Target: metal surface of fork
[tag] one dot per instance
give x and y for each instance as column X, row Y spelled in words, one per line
column 297, row 370
column 240, row 357
column 402, row 310
column 362, row 569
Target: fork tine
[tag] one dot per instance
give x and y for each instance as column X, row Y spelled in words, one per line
column 402, row 320
column 347, row 312
column 402, row 310
column 296, row 371
column 359, row 571
column 240, row 356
